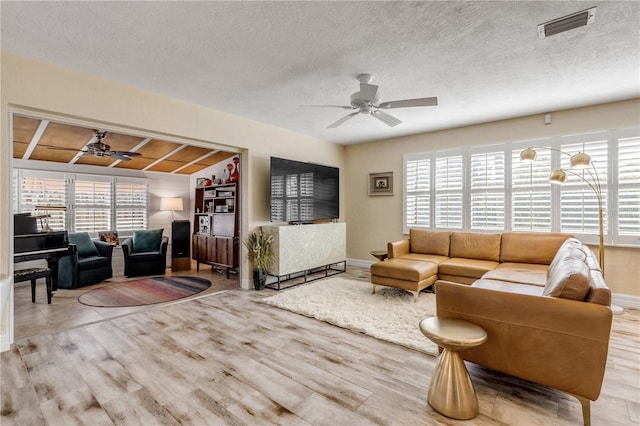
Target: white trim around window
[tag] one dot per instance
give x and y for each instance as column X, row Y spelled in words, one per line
column 488, row 188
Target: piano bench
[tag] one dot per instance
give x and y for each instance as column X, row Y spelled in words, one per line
column 32, row 274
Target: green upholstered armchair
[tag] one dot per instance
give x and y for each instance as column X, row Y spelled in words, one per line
column 89, row 263
column 145, row 253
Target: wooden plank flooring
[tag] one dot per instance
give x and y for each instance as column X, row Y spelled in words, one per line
column 226, row 359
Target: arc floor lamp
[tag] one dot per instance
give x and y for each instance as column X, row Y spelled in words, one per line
column 579, row 161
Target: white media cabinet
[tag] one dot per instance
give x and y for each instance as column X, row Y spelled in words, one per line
column 303, row 249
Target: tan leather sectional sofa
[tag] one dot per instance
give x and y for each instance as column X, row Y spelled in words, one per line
column 540, row 297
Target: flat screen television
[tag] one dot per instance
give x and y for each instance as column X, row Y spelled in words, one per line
column 303, row 192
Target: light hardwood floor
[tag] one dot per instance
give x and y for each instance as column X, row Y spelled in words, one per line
column 226, row 359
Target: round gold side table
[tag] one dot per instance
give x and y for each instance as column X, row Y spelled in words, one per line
column 451, row 392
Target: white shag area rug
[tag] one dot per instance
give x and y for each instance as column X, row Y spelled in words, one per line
column 390, row 314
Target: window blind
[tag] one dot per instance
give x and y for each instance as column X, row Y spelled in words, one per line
column 418, row 192
column 92, row 196
column 448, row 192
column 487, row 172
column 531, row 192
column 131, row 205
column 629, row 186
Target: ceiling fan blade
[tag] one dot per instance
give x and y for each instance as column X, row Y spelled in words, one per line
column 60, row 148
column 327, row 106
column 119, row 156
column 127, row 153
column 407, row 103
column 368, row 92
column 342, row 120
column 387, row 119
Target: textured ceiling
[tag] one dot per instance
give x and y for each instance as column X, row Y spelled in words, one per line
column 262, row 60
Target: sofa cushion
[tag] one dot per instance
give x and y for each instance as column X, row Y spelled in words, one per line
column 83, row 242
column 530, row 247
column 93, row 262
column 472, row 268
column 524, row 273
column 433, row 258
column 509, row 287
column 475, row 246
column 568, row 279
column 402, row 269
column 429, row 242
column 147, row 240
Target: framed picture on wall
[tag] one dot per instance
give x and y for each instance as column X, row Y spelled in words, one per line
column 199, row 182
column 381, row 183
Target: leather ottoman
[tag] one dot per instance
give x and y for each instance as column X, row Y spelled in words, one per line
column 410, row 275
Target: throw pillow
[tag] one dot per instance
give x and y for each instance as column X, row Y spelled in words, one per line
column 145, row 241
column 569, row 279
column 83, row 242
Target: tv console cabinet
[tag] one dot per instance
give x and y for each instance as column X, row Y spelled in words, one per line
column 304, row 249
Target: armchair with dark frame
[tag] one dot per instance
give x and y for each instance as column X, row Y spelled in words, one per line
column 145, row 253
column 89, row 263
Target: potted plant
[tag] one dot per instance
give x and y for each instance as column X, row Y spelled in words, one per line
column 260, row 246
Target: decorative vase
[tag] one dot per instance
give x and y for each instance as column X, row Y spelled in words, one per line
column 259, row 279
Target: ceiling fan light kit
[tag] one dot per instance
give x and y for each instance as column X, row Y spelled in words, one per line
column 366, row 101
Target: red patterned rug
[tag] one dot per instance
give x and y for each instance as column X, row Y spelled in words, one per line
column 147, row 291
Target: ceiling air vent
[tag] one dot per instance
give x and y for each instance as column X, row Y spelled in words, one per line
column 566, row 23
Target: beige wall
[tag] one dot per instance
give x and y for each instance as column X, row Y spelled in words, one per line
column 372, row 221
column 80, row 98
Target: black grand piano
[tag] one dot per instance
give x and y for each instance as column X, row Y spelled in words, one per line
column 29, row 244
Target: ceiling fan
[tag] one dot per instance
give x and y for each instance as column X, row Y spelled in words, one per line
column 98, row 148
column 366, row 101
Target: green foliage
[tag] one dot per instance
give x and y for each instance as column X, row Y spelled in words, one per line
column 260, row 246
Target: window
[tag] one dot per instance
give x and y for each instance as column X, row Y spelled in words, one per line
column 489, row 189
column 448, row 192
column 40, row 189
column 89, row 200
column 628, row 172
column 530, row 191
column 578, row 201
column 131, row 204
column 417, row 194
column 92, row 195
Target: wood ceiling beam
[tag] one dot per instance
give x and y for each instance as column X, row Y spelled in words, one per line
column 195, row 161
column 35, row 139
column 134, row 149
column 181, row 147
column 81, row 153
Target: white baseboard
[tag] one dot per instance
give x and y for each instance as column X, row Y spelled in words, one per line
column 5, row 344
column 625, row 300
column 361, row 263
column 622, row 300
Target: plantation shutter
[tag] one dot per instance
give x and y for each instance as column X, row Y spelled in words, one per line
column 531, row 192
column 417, row 202
column 448, row 192
column 92, row 203
column 487, row 190
column 41, row 189
column 579, row 204
column 131, row 204
column 629, row 187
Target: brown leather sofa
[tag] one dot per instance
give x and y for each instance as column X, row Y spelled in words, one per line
column 540, row 297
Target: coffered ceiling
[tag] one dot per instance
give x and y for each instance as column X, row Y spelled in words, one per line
column 263, row 60
column 36, row 139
